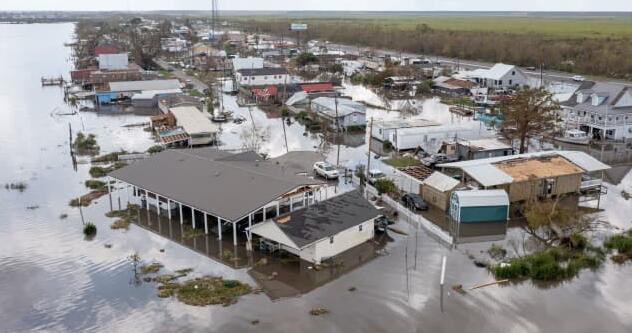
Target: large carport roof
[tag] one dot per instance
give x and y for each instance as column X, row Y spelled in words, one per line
column 229, row 186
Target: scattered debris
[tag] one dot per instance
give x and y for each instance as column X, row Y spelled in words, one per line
column 459, row 289
column 352, row 289
column 489, row 284
column 261, row 262
column 125, row 217
column 151, row 268
column 318, row 311
column 255, row 322
column 107, row 245
column 86, row 199
column 19, row 186
column 63, row 216
column 626, row 195
column 162, row 250
column 205, row 291
column 497, row 252
column 184, row 271
column 32, row 207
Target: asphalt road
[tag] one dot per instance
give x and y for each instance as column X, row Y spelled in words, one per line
column 195, row 82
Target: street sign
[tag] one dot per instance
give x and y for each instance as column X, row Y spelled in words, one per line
column 298, row 26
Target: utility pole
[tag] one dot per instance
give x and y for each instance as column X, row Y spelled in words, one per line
column 368, row 162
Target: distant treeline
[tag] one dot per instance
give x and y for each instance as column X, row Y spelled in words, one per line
column 610, row 57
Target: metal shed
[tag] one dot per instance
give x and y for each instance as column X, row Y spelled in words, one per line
column 479, row 206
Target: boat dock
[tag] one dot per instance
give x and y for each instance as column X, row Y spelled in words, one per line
column 52, row 81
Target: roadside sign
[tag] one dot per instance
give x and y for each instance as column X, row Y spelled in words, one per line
column 298, row 26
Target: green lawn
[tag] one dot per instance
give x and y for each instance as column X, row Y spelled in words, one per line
column 560, row 27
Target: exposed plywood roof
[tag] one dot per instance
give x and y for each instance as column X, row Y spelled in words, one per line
column 543, row 167
column 418, row 172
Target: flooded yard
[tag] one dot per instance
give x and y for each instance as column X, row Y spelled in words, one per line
column 53, row 279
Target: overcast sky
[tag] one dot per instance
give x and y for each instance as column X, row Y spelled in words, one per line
column 392, row 5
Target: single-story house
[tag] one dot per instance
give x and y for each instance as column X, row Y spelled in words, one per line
column 247, row 63
column 437, row 188
column 411, row 178
column 453, row 86
column 482, row 148
column 532, row 175
column 324, row 230
column 200, row 129
column 150, row 98
column 479, row 206
column 127, row 89
column 117, row 61
column 340, row 112
column 262, row 76
column 500, row 76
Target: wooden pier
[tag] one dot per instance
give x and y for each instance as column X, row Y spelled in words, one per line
column 52, row 81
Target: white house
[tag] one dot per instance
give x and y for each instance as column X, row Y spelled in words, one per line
column 116, row 61
column 262, row 76
column 247, row 63
column 603, row 110
column 340, row 112
column 500, row 76
column 322, row 230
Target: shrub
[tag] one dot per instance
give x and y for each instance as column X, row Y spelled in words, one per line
column 155, row 149
column 385, row 186
column 94, row 184
column 89, row 229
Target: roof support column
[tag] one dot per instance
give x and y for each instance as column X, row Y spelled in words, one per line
column 158, row 205
column 181, row 217
column 169, row 208
column 110, row 192
column 278, row 208
column 291, row 204
column 128, row 196
column 234, row 233
column 206, row 223
column 147, row 200
column 249, row 234
column 219, row 228
column 264, row 212
column 193, row 217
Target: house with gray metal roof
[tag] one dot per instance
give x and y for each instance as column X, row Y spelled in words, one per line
column 603, row 110
column 262, row 76
column 323, row 230
column 221, row 188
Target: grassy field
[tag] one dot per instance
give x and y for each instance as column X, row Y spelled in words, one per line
column 559, row 27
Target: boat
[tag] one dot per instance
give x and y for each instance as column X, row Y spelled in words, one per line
column 575, row 136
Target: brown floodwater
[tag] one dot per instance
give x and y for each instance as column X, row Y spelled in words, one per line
column 54, row 280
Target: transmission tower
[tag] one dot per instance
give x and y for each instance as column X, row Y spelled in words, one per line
column 214, row 19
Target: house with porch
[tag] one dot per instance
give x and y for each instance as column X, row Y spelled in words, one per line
column 500, row 76
column 218, row 189
column 603, row 110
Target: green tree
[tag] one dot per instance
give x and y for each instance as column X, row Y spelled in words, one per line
column 306, row 58
column 532, row 112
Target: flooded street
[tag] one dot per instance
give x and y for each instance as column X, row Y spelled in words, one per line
column 54, row 280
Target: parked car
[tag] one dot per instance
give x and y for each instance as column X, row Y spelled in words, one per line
column 375, row 175
column 578, row 78
column 414, row 201
column 434, row 159
column 326, row 170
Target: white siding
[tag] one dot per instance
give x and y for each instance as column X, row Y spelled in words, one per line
column 343, row 241
column 113, row 61
column 262, row 80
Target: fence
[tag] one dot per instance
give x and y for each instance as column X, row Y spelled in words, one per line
column 433, row 229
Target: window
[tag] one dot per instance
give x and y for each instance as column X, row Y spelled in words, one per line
column 253, row 78
column 331, row 240
column 265, row 77
column 360, row 227
column 513, row 73
column 510, row 82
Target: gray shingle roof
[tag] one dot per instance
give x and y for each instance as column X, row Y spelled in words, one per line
column 327, row 218
column 263, row 71
column 225, row 185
